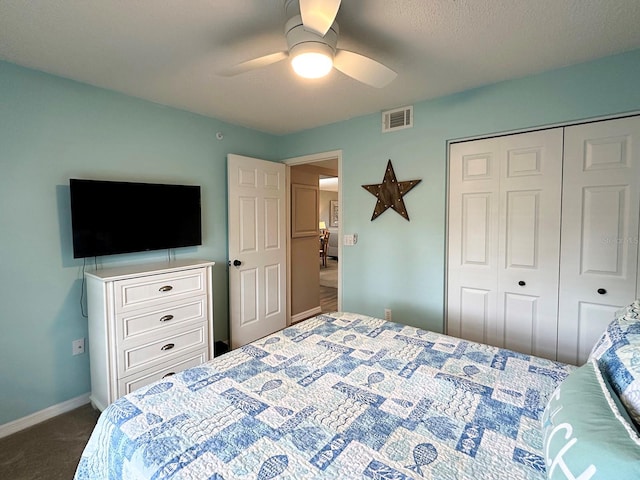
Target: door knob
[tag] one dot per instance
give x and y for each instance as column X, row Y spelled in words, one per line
column 602, row 291
column 522, row 283
column 237, row 263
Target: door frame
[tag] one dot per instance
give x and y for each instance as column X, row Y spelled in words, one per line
column 301, row 160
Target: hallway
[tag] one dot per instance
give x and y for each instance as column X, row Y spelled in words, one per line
column 329, row 286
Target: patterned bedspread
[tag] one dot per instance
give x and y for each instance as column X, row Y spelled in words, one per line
column 337, row 396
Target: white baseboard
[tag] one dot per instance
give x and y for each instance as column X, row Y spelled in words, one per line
column 304, row 315
column 38, row 417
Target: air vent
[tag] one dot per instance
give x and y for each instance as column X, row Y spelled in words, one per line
column 397, row 119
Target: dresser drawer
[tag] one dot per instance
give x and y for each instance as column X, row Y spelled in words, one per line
column 140, row 357
column 134, row 326
column 133, row 382
column 150, row 290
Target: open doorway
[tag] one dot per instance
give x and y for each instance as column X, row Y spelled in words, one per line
column 328, row 213
column 306, row 267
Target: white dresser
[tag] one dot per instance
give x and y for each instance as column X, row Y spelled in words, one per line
column 147, row 322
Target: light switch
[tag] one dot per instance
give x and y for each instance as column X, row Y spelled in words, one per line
column 351, row 239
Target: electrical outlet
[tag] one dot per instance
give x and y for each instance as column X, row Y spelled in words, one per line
column 77, row 346
column 387, row 314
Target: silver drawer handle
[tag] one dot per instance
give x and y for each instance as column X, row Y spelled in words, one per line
column 168, row 346
column 166, row 288
column 166, row 318
column 168, row 374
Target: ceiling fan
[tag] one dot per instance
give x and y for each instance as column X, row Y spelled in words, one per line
column 312, row 36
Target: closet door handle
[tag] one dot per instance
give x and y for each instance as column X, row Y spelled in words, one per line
column 166, row 288
column 168, row 346
column 601, row 291
column 522, row 283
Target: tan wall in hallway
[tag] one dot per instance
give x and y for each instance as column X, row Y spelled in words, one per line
column 305, row 266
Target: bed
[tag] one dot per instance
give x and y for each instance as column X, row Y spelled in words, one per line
column 351, row 396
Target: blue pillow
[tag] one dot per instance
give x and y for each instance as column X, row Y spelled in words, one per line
column 618, row 355
column 587, row 433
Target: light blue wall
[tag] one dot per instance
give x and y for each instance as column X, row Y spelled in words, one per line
column 399, row 264
column 52, row 129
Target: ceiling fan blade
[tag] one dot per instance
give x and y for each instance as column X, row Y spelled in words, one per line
column 363, row 69
column 318, row 15
column 253, row 64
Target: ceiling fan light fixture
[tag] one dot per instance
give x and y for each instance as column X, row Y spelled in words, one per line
column 312, row 59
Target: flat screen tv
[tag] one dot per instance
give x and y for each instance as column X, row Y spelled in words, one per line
column 123, row 217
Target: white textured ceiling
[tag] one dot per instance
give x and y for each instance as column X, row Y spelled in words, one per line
column 168, row 51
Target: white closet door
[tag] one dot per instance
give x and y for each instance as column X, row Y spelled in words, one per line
column 529, row 242
column 474, row 170
column 599, row 231
column 504, row 224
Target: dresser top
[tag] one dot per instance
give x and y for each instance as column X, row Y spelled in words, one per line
column 129, row 271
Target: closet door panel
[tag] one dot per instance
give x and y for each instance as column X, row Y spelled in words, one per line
column 529, row 242
column 472, row 251
column 601, row 207
column 603, row 234
column 476, row 229
column 592, row 319
column 474, row 304
column 519, row 322
column 522, row 237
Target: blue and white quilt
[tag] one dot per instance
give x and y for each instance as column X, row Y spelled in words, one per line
column 337, row 396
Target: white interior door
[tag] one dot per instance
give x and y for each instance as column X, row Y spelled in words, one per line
column 257, row 248
column 599, row 231
column 529, row 242
column 504, row 237
column 474, row 184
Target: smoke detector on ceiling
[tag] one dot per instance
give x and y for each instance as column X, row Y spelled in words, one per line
column 397, row 119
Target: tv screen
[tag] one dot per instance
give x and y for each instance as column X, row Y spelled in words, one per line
column 124, row 217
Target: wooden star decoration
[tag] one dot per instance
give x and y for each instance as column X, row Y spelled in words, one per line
column 390, row 192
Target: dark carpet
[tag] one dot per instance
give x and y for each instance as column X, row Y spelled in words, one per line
column 50, row 450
